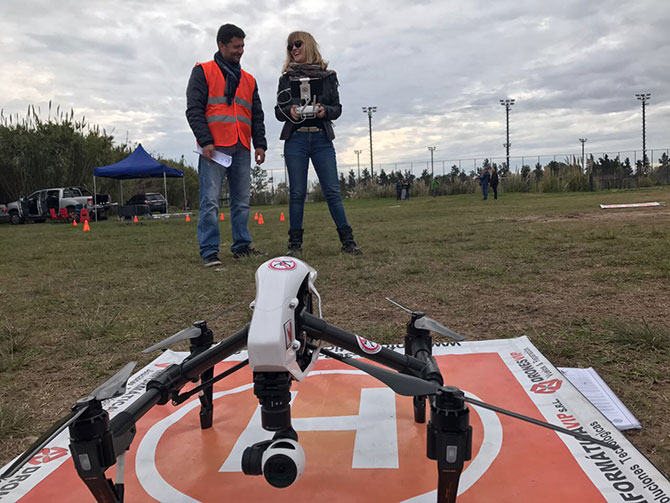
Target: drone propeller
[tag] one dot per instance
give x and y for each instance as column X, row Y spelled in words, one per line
column 188, row 333
column 112, row 387
column 425, row 323
column 408, row 385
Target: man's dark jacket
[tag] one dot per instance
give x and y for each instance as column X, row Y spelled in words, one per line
column 196, row 103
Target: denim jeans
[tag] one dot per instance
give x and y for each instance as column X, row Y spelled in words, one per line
column 485, row 190
column 210, row 176
column 298, row 150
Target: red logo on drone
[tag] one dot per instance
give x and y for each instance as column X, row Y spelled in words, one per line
column 283, row 264
column 48, row 454
column 547, row 387
column 367, row 346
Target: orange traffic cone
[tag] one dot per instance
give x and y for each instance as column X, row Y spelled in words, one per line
column 188, row 218
column 86, row 227
column 74, row 223
column 135, row 219
column 281, row 217
column 256, row 216
column 221, row 217
column 260, row 219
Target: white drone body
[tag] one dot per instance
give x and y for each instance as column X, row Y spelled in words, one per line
column 272, row 343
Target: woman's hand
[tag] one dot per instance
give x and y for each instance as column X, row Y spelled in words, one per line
column 293, row 113
column 321, row 112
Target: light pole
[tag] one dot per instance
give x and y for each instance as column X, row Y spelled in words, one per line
column 644, row 97
column 285, row 174
column 583, row 141
column 432, row 170
column 358, row 160
column 370, row 111
column 507, row 104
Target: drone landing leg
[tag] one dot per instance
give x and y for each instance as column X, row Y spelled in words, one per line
column 419, row 344
column 449, row 441
column 198, row 345
column 92, row 448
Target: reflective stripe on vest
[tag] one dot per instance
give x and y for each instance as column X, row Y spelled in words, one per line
column 228, row 123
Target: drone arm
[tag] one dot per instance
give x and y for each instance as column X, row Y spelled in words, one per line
column 320, row 329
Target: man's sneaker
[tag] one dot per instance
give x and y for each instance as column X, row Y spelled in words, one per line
column 248, row 251
column 211, row 260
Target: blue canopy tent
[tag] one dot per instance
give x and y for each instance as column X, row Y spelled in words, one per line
column 139, row 164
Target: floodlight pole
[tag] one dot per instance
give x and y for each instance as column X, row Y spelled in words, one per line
column 370, row 111
column 358, row 160
column 507, row 104
column 583, row 141
column 432, row 170
column 644, row 97
column 285, row 175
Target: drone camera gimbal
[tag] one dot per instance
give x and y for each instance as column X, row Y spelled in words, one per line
column 284, row 340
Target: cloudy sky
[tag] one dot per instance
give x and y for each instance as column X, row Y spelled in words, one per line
column 436, row 70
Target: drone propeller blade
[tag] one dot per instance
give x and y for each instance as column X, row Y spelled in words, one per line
column 188, row 333
column 413, row 386
column 400, row 306
column 427, row 323
column 537, row 422
column 47, row 437
column 115, row 385
column 225, row 311
column 400, row 383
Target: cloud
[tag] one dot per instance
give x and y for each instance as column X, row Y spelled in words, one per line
column 436, row 70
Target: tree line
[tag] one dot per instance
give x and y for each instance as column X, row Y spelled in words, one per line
column 61, row 150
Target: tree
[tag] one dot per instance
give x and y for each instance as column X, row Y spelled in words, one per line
column 258, row 182
column 525, row 172
column 351, row 180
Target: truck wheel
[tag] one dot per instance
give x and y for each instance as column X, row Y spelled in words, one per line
column 72, row 211
column 14, row 218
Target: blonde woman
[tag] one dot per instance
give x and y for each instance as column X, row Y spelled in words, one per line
column 310, row 138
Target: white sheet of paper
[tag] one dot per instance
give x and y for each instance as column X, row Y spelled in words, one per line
column 596, row 391
column 218, row 157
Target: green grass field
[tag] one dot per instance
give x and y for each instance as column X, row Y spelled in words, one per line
column 590, row 287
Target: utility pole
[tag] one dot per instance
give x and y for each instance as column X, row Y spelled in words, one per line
column 370, row 111
column 644, row 97
column 285, row 174
column 358, row 159
column 507, row 104
column 432, row 170
column 583, row 141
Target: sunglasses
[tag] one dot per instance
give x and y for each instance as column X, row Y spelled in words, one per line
column 297, row 44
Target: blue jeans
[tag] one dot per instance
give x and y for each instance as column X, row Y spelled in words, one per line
column 485, row 190
column 210, row 176
column 298, row 150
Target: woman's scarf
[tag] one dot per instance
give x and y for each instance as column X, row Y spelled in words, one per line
column 311, row 71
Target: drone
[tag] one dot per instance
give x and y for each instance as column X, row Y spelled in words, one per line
column 284, row 340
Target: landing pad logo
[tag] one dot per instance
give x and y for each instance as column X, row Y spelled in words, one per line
column 48, row 454
column 367, row 346
column 547, row 387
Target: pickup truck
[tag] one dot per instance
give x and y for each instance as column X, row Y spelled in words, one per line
column 36, row 206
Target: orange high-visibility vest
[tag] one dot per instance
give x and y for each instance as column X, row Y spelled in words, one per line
column 226, row 122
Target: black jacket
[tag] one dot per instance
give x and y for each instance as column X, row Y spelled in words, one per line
column 196, row 103
column 330, row 102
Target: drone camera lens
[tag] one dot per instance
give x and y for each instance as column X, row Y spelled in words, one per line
column 280, row 471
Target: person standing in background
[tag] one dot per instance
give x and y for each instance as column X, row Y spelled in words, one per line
column 224, row 111
column 310, row 138
column 494, row 182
